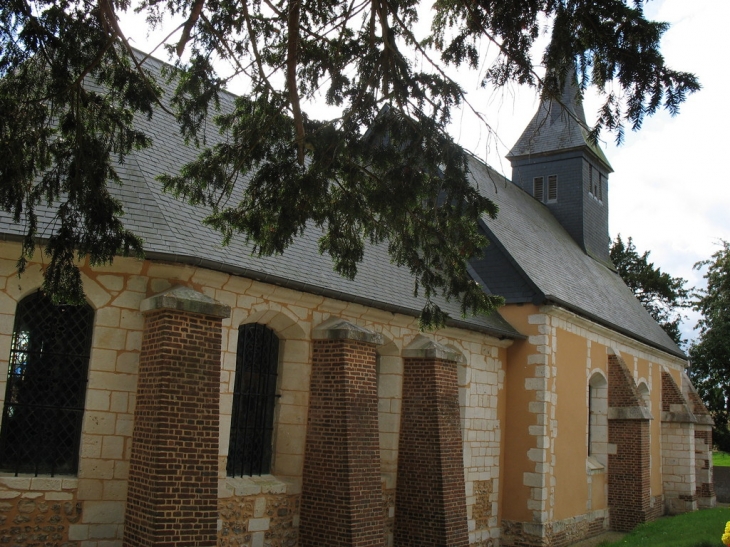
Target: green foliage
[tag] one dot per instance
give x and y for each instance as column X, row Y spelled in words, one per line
column 698, row 529
column 61, row 140
column 661, row 294
column 384, row 171
column 710, row 355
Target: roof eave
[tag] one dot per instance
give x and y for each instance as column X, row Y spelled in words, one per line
column 511, row 157
column 549, row 299
column 324, row 292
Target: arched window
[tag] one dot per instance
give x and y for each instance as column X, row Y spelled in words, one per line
column 254, row 398
column 643, row 390
column 598, row 418
column 46, row 389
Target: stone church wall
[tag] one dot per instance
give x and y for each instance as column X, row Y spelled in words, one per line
column 88, row 509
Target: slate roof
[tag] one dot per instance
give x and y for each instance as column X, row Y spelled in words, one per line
column 541, row 263
column 532, row 258
column 551, row 128
column 172, row 231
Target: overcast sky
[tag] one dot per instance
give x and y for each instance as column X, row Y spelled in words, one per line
column 669, row 190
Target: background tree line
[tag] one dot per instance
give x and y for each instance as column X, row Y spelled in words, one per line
column 665, row 297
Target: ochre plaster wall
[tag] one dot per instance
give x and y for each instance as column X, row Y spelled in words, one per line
column 571, row 486
column 560, row 355
column 517, row 440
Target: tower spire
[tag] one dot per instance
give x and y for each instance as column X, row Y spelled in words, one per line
column 558, row 125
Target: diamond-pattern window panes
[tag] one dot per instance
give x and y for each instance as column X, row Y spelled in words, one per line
column 254, row 399
column 46, row 389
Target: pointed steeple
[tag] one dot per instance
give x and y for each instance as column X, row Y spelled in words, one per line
column 558, row 125
column 555, row 162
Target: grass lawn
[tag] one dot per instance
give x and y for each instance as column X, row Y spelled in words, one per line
column 721, row 459
column 698, row 529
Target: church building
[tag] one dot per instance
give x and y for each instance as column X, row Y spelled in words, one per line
column 205, row 397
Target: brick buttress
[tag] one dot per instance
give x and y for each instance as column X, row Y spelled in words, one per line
column 430, row 500
column 629, row 472
column 173, row 476
column 341, row 491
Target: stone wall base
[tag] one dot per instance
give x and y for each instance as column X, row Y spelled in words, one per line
column 706, row 502
column 554, row 534
column 258, row 520
column 681, row 504
column 39, row 521
column 389, row 513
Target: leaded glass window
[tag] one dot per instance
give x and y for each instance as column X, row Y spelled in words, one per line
column 46, row 388
column 254, row 399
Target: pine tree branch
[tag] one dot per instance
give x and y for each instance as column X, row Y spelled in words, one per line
column 189, row 24
column 291, row 75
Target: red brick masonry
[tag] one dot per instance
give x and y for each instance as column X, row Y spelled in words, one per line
column 430, row 504
column 341, row 492
column 173, row 487
column 629, row 486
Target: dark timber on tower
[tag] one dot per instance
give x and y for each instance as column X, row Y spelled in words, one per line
column 554, row 162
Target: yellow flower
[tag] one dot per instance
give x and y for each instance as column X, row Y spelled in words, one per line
column 726, row 535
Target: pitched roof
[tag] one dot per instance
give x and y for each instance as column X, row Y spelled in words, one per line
column 173, row 231
column 532, row 257
column 551, row 267
column 558, row 125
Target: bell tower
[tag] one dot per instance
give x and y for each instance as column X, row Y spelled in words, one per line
column 554, row 162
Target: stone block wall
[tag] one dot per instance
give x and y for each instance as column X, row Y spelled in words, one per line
column 703, row 466
column 678, row 467
column 678, row 449
column 100, row 486
column 481, row 386
column 116, row 293
column 703, row 445
column 555, row 534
